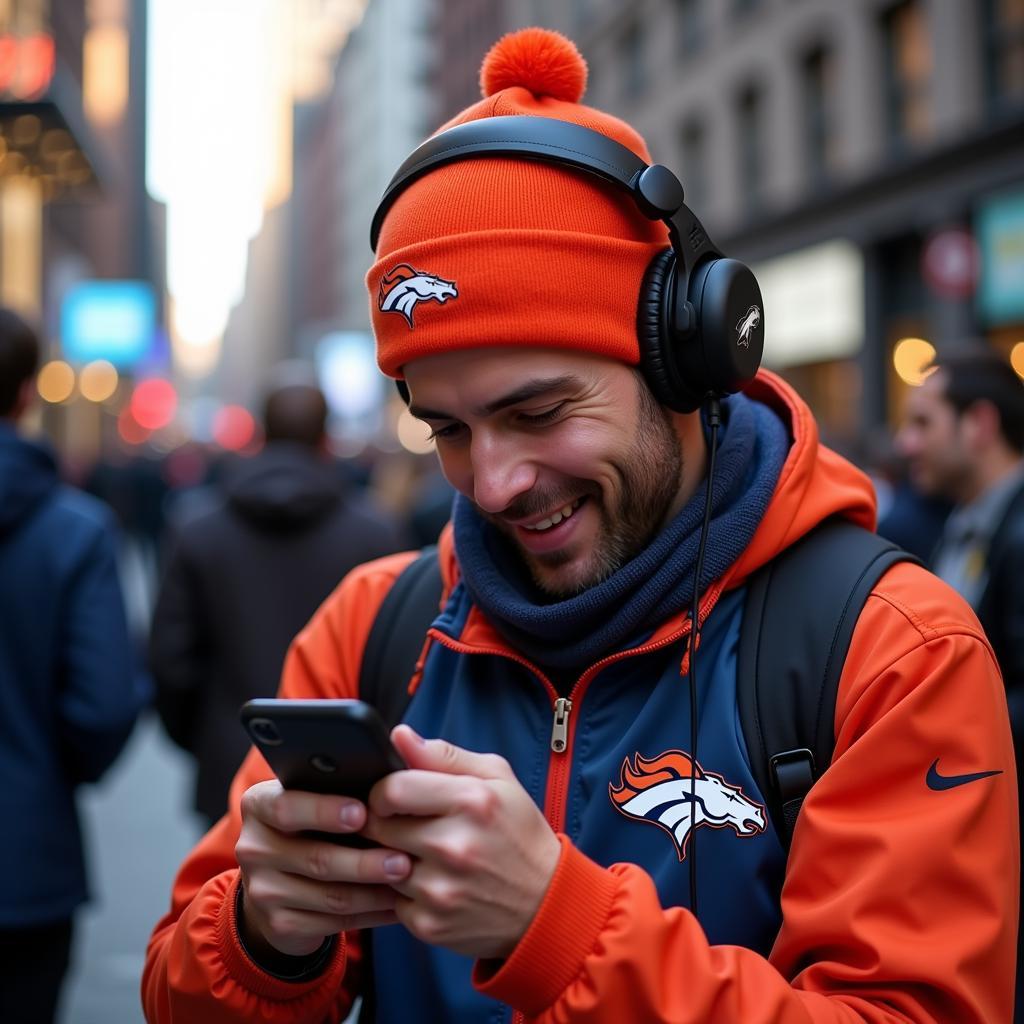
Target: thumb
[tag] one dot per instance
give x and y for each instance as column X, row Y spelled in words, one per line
column 441, row 756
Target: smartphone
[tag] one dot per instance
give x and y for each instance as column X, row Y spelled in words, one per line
column 323, row 746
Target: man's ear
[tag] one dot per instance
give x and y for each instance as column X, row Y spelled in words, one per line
column 981, row 424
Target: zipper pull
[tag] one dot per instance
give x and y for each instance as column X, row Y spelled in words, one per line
column 560, row 729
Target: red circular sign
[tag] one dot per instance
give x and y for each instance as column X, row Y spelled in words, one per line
column 949, row 263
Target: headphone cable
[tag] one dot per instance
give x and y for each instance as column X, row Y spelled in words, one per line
column 714, row 421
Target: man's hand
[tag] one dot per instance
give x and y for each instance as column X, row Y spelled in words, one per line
column 483, row 852
column 299, row 890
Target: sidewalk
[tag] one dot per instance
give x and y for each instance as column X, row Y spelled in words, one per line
column 137, row 827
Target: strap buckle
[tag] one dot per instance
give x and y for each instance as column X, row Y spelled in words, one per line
column 793, row 773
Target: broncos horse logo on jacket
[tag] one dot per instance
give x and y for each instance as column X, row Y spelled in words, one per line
column 660, row 791
column 403, row 286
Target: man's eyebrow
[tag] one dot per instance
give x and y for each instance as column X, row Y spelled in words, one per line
column 537, row 388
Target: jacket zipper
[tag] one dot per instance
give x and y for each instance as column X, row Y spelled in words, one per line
column 562, row 726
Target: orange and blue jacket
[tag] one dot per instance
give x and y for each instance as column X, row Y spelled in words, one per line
column 897, row 901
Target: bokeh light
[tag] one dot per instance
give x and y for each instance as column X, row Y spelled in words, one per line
column 97, row 380
column 1017, row 358
column 129, row 429
column 911, row 358
column 413, row 434
column 154, row 403
column 56, row 381
column 233, row 427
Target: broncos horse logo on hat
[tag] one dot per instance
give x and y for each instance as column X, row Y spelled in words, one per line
column 660, row 791
column 403, row 286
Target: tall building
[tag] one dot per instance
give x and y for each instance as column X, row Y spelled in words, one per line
column 383, row 81
column 289, row 275
column 73, row 204
column 380, row 105
column 866, row 156
column 463, row 35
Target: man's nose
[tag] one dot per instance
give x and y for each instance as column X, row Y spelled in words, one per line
column 502, row 470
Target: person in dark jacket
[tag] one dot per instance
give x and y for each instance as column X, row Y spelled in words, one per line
column 67, row 689
column 248, row 565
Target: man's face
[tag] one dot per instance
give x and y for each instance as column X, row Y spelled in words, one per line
column 932, row 440
column 567, row 454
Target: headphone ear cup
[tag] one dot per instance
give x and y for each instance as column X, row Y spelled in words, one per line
column 730, row 314
column 658, row 342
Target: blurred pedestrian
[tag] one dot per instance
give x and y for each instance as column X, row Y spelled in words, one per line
column 246, row 568
column 964, row 438
column 66, row 687
column 906, row 516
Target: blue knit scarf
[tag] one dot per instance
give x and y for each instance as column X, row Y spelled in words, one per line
column 625, row 608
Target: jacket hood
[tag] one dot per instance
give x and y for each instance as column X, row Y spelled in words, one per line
column 284, row 487
column 28, row 473
column 815, row 484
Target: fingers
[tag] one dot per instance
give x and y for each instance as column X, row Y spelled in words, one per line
column 430, row 794
column 442, row 756
column 269, row 890
column 299, row 889
column 296, row 811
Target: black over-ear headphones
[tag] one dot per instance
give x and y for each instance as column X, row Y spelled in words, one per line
column 700, row 319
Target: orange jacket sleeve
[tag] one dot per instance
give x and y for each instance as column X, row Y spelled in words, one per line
column 900, row 901
column 196, row 970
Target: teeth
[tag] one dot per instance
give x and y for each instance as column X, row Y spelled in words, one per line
column 554, row 520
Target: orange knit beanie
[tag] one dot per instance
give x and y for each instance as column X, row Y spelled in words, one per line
column 517, row 252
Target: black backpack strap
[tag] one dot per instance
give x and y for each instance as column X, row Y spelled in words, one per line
column 798, row 620
column 396, row 636
column 389, row 660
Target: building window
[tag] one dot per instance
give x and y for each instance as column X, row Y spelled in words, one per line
column 633, row 60
column 695, row 164
column 1004, row 52
column 581, row 16
column 821, row 134
column 691, row 26
column 908, row 69
column 750, row 124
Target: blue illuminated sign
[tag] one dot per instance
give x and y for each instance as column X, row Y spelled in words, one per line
column 112, row 320
column 1000, row 231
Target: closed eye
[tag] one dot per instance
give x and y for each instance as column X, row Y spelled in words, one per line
column 446, row 433
column 540, row 418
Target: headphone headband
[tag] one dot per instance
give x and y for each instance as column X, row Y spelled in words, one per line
column 654, row 188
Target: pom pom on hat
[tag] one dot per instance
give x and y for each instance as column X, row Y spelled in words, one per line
column 538, row 59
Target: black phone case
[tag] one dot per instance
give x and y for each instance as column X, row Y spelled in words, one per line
column 322, row 746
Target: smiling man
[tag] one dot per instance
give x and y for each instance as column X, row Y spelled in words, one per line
column 582, row 466
column 586, row 361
